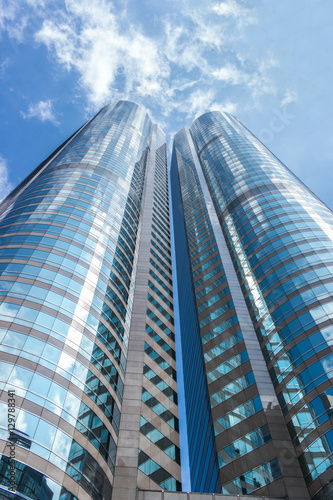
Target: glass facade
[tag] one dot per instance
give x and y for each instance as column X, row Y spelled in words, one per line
column 203, row 461
column 88, row 374
column 69, row 239
column 279, row 237
column 227, row 375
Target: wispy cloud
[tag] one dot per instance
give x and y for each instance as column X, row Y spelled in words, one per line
column 43, row 110
column 199, row 102
column 253, row 76
column 233, row 9
column 8, row 14
column 110, row 58
column 230, row 74
column 226, row 106
column 20, row 19
column 5, row 185
column 227, row 9
column 289, row 96
column 187, row 59
column 4, row 65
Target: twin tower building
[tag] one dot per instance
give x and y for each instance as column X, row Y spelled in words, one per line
column 88, row 362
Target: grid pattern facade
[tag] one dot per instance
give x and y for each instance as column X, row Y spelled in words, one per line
column 159, row 428
column 280, row 238
column 67, row 260
column 241, row 430
column 87, row 318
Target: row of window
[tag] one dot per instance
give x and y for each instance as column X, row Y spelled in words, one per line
column 244, row 445
column 29, row 482
column 60, row 449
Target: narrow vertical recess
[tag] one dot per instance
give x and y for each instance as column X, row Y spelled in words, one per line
column 203, row 463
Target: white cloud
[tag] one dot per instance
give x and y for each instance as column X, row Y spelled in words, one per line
column 227, row 107
column 233, row 9
column 230, row 74
column 8, row 13
column 203, row 100
column 179, row 65
column 17, row 21
column 200, row 101
column 289, row 96
column 109, row 58
column 5, row 185
column 254, row 78
column 4, row 65
column 43, row 110
column 227, row 9
column 260, row 84
column 267, row 62
column 191, row 39
column 175, row 49
column 196, row 103
column 207, row 30
column 58, row 38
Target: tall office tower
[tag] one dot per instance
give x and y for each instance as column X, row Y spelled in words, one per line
column 87, row 359
column 254, row 256
column 86, row 318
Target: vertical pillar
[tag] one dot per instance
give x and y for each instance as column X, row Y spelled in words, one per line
column 126, row 470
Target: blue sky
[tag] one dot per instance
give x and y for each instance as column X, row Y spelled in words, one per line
column 268, row 63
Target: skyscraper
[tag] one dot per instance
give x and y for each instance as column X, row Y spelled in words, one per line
column 88, row 359
column 258, row 247
column 87, row 316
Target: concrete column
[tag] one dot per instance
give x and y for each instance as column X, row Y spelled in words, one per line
column 126, row 470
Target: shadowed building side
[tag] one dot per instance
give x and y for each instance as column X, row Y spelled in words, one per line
column 202, row 450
